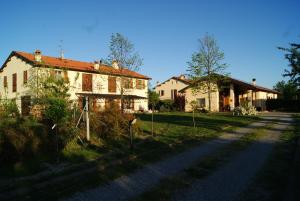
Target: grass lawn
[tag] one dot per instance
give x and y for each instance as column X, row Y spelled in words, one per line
column 174, row 132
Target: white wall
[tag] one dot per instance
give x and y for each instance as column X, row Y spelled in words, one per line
column 100, row 84
column 168, row 86
column 190, row 95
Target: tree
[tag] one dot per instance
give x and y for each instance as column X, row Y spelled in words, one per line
column 153, row 98
column 206, row 67
column 194, row 106
column 122, row 51
column 293, row 56
column 288, row 90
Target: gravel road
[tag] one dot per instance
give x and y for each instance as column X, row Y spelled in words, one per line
column 130, row 186
column 228, row 182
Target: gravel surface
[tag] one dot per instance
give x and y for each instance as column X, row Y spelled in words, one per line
column 127, row 187
column 229, row 181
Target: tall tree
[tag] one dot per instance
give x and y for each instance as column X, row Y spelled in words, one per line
column 293, row 56
column 122, row 51
column 206, row 67
column 288, row 90
column 153, row 98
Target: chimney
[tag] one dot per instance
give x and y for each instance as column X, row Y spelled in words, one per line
column 96, row 65
column 182, row 77
column 38, row 55
column 115, row 64
column 254, row 81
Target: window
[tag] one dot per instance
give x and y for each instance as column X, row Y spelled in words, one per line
column 127, row 83
column 59, row 74
column 162, row 93
column 14, row 82
column 87, row 84
column 112, row 84
column 128, row 104
column 140, row 84
column 5, row 81
column 201, row 102
column 25, row 77
column 66, row 77
column 173, row 93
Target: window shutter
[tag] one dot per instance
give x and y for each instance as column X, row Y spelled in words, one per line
column 14, row 82
column 131, row 84
column 5, row 81
column 112, row 86
column 52, row 73
column 143, row 84
column 25, row 77
column 66, row 78
column 87, row 84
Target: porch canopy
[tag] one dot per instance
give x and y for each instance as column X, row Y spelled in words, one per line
column 242, row 86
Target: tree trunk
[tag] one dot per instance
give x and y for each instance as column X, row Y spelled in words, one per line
column 194, row 119
column 209, row 97
column 152, row 132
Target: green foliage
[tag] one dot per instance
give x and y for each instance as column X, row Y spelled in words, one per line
column 56, row 109
column 194, row 105
column 293, row 56
column 110, row 123
column 153, row 98
column 8, row 108
column 283, row 105
column 288, row 90
column 206, row 67
column 43, row 85
column 21, row 139
column 166, row 105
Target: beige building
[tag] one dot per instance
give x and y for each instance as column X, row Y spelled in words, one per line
column 227, row 96
column 100, row 82
column 170, row 88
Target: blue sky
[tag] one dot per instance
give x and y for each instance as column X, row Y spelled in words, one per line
column 165, row 33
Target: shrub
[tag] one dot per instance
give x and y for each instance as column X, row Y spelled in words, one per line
column 166, row 105
column 242, row 111
column 8, row 108
column 110, row 123
column 21, row 139
column 283, row 105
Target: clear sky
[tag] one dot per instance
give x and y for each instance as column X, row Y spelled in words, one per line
column 165, row 33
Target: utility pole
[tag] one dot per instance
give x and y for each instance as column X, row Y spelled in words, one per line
column 87, row 118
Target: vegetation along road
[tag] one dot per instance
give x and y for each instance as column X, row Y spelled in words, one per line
column 229, row 180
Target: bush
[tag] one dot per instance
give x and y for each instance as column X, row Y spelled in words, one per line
column 283, row 105
column 21, row 139
column 110, row 123
column 8, row 108
column 166, row 105
column 242, row 111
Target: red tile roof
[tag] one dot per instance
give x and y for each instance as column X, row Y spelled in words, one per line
column 78, row 65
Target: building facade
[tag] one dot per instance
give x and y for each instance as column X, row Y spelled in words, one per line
column 230, row 94
column 169, row 89
column 100, row 82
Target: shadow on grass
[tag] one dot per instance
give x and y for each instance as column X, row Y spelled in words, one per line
column 214, row 122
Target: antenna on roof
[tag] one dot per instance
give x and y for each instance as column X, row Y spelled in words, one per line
column 61, row 51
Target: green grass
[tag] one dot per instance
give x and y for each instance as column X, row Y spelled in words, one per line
column 203, row 168
column 174, row 132
column 271, row 182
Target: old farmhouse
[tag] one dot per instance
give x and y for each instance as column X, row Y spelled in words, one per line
column 100, row 82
